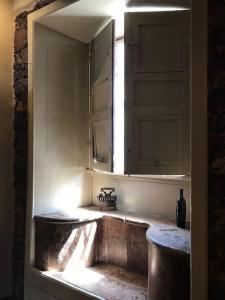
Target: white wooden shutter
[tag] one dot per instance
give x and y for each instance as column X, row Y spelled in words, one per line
column 157, row 93
column 101, row 96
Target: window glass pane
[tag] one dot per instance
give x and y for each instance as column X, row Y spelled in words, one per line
column 119, row 107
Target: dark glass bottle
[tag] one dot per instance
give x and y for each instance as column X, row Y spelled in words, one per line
column 181, row 211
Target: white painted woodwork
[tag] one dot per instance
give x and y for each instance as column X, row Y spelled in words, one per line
column 159, row 86
column 160, row 4
column 60, row 121
column 157, row 93
column 37, row 294
column 164, row 134
column 101, row 98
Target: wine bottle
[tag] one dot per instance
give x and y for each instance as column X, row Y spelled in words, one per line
column 181, row 211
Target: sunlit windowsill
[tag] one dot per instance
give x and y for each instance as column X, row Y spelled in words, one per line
column 151, row 178
column 50, row 275
column 94, row 282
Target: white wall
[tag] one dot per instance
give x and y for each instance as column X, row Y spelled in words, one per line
column 147, row 196
column 6, row 151
column 60, row 122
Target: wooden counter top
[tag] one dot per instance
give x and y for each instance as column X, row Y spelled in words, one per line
column 170, row 238
column 162, row 232
column 91, row 213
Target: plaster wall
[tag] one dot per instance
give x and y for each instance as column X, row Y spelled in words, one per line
column 144, row 195
column 60, row 130
column 6, row 151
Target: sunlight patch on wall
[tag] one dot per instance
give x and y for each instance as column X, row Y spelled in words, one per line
column 68, row 196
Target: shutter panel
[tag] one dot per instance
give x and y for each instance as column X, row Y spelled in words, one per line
column 101, row 98
column 157, row 93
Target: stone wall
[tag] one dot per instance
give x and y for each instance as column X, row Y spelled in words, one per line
column 216, row 127
column 20, row 145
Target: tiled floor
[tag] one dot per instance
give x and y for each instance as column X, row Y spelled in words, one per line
column 109, row 282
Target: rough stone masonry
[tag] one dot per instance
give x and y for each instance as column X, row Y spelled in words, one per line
column 20, row 86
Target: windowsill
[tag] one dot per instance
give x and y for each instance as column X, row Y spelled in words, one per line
column 172, row 179
column 49, row 275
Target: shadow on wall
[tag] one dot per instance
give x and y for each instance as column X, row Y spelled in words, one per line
column 216, row 149
column 20, row 86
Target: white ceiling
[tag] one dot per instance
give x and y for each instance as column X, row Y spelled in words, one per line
column 83, row 19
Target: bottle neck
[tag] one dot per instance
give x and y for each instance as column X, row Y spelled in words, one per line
column 181, row 193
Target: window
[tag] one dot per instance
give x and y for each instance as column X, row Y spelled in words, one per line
column 140, row 116
column 118, row 107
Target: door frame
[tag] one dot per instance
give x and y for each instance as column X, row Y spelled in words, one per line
column 199, row 188
column 199, row 151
